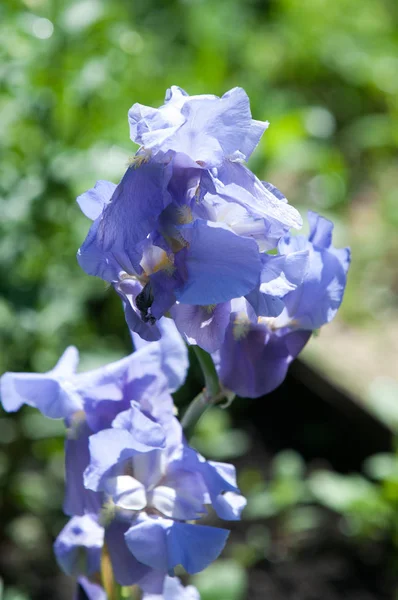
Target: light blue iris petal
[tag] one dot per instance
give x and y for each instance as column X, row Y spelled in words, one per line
column 220, row 265
column 93, row 201
column 126, row 568
column 163, row 544
column 170, row 353
column 85, row 533
column 202, row 325
column 114, row 446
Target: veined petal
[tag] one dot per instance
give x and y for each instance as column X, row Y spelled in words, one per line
column 204, row 127
column 318, row 299
column 143, row 429
column 236, row 183
column 107, row 449
column 126, row 568
column 150, row 468
column 253, row 137
column 28, row 388
column 136, row 204
column 219, row 264
column 163, row 544
column 181, row 496
column 54, row 398
column 43, row 390
column 321, row 230
column 114, row 242
column 279, row 276
column 78, row 500
column 94, row 200
column 95, row 260
column 202, row 325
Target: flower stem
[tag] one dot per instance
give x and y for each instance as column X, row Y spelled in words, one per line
column 108, row 581
column 209, row 371
column 195, row 410
column 212, row 394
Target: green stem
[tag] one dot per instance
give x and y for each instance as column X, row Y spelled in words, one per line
column 193, row 413
column 209, row 371
column 212, row 394
column 108, row 581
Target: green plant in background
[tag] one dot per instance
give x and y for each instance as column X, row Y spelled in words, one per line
column 291, row 501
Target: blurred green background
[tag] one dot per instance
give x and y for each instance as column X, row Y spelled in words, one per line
column 325, row 74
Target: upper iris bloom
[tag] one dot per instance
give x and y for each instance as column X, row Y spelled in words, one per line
column 188, row 221
column 205, row 128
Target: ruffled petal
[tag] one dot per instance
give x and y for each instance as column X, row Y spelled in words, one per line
column 279, row 276
column 181, row 496
column 205, row 128
column 316, row 301
column 109, row 448
column 163, row 544
column 94, row 200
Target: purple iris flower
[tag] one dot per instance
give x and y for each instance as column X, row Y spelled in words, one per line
column 183, row 258
column 188, row 220
column 257, row 350
column 152, row 497
column 89, row 402
column 79, row 545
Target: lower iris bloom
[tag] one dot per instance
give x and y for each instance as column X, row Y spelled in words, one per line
column 88, row 402
column 151, row 499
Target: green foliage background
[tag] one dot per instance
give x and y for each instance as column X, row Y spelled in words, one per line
column 323, row 73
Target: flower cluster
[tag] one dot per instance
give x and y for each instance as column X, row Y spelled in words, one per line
column 189, row 233
column 133, row 484
column 192, row 233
